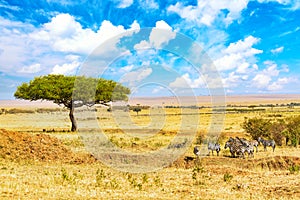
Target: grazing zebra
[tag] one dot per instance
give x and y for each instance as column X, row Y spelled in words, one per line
column 266, row 143
column 248, row 145
column 254, row 143
column 228, row 144
column 239, row 146
column 235, row 148
column 213, row 147
column 197, row 151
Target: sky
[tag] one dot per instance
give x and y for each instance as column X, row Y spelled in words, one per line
column 155, row 47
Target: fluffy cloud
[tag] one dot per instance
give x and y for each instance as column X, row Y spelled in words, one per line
column 232, row 80
column 64, row 34
column 67, row 68
column 185, row 81
column 269, row 77
column 239, row 55
column 278, row 85
column 206, row 11
column 31, row 69
column 294, row 4
column 160, row 35
column 22, row 45
column 135, row 77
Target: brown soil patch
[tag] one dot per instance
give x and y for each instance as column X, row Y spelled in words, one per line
column 269, row 163
column 276, row 162
column 18, row 146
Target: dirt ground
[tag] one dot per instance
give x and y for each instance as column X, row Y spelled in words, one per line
column 16, row 146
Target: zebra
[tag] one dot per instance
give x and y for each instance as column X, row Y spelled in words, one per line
column 235, row 148
column 228, row 144
column 265, row 143
column 248, row 145
column 197, row 151
column 213, row 147
column 239, row 147
column 254, row 143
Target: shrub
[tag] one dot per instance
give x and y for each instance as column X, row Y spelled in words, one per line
column 294, row 169
column 227, row 177
column 257, row 127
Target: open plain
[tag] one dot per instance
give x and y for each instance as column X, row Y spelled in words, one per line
column 41, row 159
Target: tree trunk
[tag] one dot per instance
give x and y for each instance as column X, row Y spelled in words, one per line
column 73, row 120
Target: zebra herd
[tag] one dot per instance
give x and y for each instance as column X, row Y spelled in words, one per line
column 238, row 147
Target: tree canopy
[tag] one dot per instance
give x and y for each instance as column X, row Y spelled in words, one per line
column 72, row 91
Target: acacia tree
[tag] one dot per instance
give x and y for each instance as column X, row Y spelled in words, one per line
column 72, row 91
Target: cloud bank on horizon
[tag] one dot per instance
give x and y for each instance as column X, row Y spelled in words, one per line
column 252, row 43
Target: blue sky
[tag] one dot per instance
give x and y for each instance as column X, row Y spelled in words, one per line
column 253, row 44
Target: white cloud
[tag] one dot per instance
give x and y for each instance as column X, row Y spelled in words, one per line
column 277, row 50
column 31, row 69
column 261, row 80
column 264, row 78
column 148, row 4
column 239, row 55
column 142, row 45
column 157, row 89
column 207, row 11
column 64, row 34
column 279, row 84
column 66, row 69
column 160, row 35
column 293, row 4
column 5, row 5
column 232, row 80
column 185, row 81
column 125, row 3
column 134, row 77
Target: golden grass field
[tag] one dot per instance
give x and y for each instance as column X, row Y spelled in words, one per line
column 56, row 176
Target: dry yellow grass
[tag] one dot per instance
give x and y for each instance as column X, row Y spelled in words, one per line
column 267, row 176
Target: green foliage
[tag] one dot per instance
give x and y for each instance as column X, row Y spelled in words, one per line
column 100, row 176
column 293, row 130
column 276, row 131
column 257, row 127
column 64, row 89
column 294, row 169
column 67, row 177
column 157, row 181
column 198, row 175
column 134, row 182
column 227, row 177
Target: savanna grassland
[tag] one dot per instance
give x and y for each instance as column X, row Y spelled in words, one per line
column 41, row 159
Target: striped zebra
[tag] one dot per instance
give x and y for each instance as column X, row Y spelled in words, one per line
column 235, row 148
column 197, row 151
column 249, row 145
column 239, row 146
column 267, row 143
column 254, row 143
column 213, row 147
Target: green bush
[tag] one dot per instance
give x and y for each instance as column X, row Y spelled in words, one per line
column 227, row 177
column 294, row 169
